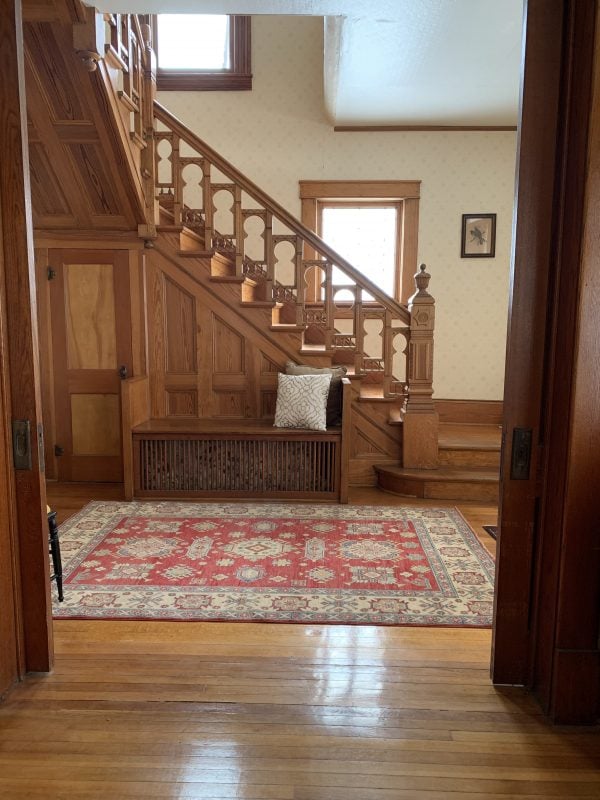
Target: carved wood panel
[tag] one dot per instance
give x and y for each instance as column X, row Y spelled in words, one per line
column 236, row 365
column 79, row 175
column 180, row 333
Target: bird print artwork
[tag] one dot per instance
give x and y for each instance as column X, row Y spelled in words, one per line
column 477, row 236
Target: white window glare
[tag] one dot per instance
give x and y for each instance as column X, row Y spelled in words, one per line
column 193, row 41
column 366, row 237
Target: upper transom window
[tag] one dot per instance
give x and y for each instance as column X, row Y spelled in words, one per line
column 202, row 51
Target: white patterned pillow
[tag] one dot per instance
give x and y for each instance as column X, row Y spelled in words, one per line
column 302, row 401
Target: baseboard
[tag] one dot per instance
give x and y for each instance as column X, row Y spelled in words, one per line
column 482, row 412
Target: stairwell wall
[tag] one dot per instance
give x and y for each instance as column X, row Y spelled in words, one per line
column 278, row 134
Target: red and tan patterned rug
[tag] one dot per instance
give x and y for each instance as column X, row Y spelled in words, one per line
column 275, row 563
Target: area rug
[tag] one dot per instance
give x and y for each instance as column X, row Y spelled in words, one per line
column 274, row 563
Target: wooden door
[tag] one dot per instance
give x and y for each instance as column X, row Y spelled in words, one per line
column 91, row 329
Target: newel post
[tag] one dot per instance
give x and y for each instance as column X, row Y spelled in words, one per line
column 421, row 421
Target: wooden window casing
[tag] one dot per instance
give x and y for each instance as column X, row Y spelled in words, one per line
column 237, row 77
column 404, row 195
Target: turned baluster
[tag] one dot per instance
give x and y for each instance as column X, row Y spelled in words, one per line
column 420, row 448
column 207, row 205
column 329, row 305
column 300, row 281
column 177, row 181
column 388, row 353
column 238, row 229
column 269, row 255
column 359, row 332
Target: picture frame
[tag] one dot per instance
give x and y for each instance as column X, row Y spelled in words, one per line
column 478, row 236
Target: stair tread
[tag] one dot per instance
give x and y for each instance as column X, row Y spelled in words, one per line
column 445, row 474
column 287, row 327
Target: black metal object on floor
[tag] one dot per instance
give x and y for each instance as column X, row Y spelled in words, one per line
column 55, row 553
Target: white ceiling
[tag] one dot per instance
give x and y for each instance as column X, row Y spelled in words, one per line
column 400, row 62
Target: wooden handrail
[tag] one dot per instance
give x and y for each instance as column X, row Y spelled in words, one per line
column 237, row 177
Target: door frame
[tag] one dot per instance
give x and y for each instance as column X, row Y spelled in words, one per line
column 31, row 606
column 525, row 644
column 547, row 613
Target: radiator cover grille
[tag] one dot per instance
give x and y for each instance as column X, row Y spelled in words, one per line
column 240, row 466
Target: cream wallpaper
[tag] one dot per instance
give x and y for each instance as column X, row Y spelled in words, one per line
column 278, row 134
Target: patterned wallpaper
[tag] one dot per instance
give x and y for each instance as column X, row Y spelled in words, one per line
column 278, row 134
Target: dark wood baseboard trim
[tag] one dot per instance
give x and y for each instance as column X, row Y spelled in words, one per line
column 481, row 412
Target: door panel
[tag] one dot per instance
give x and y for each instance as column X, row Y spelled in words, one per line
column 90, row 316
column 89, row 300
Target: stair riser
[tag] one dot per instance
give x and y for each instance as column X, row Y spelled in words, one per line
column 440, row 490
column 469, row 458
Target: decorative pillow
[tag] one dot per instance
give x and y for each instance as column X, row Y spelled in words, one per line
column 334, row 399
column 301, row 401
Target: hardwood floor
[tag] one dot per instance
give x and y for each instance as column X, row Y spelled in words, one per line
column 281, row 712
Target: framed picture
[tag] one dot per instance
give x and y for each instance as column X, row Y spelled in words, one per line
column 478, row 239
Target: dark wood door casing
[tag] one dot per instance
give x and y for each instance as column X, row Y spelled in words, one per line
column 26, row 632
column 548, row 571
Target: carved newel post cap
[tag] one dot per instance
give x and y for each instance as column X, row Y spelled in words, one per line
column 422, row 279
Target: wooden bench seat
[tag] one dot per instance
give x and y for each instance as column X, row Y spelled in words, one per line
column 189, row 458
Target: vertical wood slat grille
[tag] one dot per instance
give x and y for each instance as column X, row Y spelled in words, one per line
column 244, row 466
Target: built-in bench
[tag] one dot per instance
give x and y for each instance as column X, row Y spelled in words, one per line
column 188, row 458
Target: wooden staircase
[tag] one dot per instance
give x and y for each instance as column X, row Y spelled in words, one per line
column 203, row 220
column 469, row 466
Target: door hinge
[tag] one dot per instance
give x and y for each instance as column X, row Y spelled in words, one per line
column 50, row 273
column 58, row 450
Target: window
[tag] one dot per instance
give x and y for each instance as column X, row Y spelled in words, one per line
column 202, row 51
column 366, row 235
column 373, row 224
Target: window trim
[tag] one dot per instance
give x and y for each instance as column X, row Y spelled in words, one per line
column 238, row 77
column 406, row 194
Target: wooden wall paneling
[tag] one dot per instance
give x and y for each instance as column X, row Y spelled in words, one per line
column 157, row 338
column 83, row 151
column 372, row 441
column 180, row 330
column 52, row 161
column 204, row 317
column 229, row 354
column 51, row 202
column 139, row 334
column 135, row 409
column 566, row 671
column 231, row 404
column 20, row 356
column 274, row 346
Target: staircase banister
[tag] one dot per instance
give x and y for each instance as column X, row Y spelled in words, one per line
column 165, row 116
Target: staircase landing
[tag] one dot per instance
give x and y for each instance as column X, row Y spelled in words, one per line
column 469, row 467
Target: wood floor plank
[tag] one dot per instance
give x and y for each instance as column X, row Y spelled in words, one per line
column 215, row 711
